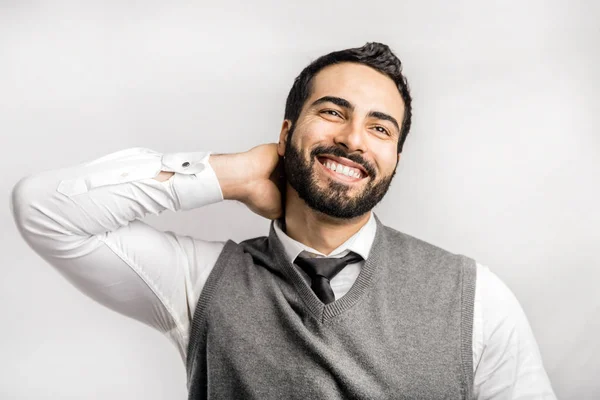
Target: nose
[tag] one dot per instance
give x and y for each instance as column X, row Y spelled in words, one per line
column 351, row 137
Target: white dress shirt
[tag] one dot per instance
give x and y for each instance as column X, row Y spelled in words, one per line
column 85, row 221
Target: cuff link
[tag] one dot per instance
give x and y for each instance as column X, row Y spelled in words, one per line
column 188, row 163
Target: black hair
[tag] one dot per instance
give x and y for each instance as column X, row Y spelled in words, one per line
column 375, row 55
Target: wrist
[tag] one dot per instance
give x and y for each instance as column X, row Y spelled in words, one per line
column 229, row 169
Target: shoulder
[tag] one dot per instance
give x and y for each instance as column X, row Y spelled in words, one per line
column 496, row 295
column 503, row 317
column 260, row 242
column 252, row 245
column 413, row 247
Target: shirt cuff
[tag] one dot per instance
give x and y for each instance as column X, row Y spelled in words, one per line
column 194, row 183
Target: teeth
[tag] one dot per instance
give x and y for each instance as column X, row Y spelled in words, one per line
column 343, row 169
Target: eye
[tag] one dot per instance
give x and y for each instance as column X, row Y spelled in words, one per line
column 332, row 112
column 383, row 130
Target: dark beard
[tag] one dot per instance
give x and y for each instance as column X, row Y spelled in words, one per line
column 334, row 200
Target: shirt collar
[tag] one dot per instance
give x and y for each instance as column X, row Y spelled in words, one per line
column 359, row 243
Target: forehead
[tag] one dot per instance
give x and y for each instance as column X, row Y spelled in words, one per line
column 363, row 86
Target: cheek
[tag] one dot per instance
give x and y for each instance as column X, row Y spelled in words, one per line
column 386, row 159
column 313, row 133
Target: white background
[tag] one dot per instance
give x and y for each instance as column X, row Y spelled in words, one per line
column 502, row 163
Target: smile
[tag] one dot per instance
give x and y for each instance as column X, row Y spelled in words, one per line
column 341, row 171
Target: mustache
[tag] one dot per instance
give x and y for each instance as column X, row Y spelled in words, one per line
column 339, row 152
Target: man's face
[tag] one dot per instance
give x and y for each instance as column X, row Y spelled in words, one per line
column 350, row 123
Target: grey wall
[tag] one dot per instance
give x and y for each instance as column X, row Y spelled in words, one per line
column 502, row 163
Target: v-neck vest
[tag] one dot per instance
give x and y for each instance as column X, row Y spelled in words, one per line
column 402, row 331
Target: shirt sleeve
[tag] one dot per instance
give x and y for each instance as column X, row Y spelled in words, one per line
column 85, row 221
column 511, row 365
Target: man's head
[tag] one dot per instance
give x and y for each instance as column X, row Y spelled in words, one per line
column 350, row 107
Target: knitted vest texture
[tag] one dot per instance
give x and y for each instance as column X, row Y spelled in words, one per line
column 403, row 330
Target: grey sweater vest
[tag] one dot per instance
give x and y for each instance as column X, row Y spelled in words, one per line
column 403, row 330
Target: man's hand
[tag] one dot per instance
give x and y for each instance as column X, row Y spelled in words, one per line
column 255, row 178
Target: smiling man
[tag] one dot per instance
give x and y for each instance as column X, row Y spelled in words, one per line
column 350, row 137
column 332, row 303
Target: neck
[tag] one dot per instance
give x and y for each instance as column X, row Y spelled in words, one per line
column 315, row 229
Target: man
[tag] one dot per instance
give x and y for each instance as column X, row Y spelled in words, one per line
column 332, row 304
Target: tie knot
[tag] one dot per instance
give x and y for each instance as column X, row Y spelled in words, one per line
column 326, row 267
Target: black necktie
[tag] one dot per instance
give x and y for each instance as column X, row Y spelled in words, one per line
column 322, row 269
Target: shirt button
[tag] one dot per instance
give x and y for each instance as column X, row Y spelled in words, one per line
column 185, row 164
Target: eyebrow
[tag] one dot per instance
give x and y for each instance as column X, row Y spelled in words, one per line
column 346, row 104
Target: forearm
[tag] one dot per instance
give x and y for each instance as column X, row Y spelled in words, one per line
column 107, row 193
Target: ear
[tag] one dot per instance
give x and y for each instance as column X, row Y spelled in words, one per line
column 283, row 136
